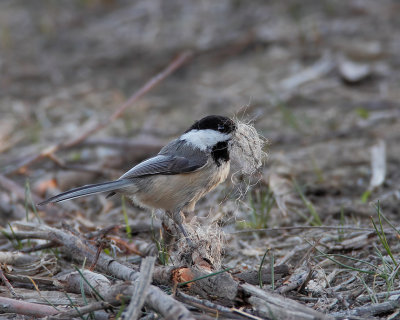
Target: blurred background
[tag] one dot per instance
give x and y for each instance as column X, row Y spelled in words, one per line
column 319, row 79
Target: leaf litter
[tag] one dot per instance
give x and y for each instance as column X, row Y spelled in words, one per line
column 333, row 149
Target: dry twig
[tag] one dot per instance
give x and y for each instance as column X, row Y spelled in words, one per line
column 209, row 306
column 26, row 308
column 49, row 151
column 7, row 283
column 370, row 310
column 141, row 286
column 80, row 249
column 274, row 306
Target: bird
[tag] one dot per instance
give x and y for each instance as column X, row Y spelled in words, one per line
column 174, row 180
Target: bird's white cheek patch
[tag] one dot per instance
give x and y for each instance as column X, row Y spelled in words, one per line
column 204, row 139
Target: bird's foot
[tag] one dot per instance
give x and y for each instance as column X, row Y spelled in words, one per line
column 186, row 235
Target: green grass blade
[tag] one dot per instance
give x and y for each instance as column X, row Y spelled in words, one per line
column 314, row 214
column 260, row 268
column 127, row 226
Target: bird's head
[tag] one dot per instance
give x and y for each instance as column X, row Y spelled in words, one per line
column 209, row 131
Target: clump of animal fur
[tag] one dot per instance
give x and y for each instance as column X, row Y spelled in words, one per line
column 247, row 148
column 209, row 243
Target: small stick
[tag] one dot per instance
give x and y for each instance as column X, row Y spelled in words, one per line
column 209, row 306
column 103, row 232
column 306, row 228
column 44, row 246
column 8, row 284
column 175, row 64
column 80, row 248
column 369, row 310
column 154, row 81
column 83, row 310
column 96, row 258
column 8, row 305
column 139, row 293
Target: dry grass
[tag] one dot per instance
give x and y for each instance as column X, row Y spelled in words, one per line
column 67, row 66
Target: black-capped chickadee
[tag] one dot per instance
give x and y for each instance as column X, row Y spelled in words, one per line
column 184, row 171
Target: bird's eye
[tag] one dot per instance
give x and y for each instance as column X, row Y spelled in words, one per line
column 221, row 128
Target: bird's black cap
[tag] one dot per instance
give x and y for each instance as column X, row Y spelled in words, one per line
column 218, row 123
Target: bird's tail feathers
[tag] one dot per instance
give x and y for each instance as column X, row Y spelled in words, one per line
column 88, row 189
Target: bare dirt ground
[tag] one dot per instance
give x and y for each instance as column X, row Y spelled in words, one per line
column 320, row 80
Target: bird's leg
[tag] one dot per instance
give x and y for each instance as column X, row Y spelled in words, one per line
column 178, row 219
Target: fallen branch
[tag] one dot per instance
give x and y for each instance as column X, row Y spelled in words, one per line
column 209, row 306
column 296, row 280
column 90, row 282
column 26, row 308
column 274, row 306
column 47, row 152
column 80, row 249
column 263, row 302
column 17, row 258
column 76, row 312
column 370, row 310
column 219, row 286
column 54, row 297
column 253, row 276
column 344, row 228
column 8, row 284
column 141, row 287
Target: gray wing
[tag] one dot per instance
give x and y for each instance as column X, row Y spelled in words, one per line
column 174, row 158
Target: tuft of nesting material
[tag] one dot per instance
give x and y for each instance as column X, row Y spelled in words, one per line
column 208, row 241
column 247, row 148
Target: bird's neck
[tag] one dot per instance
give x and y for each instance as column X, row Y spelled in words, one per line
column 219, row 152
